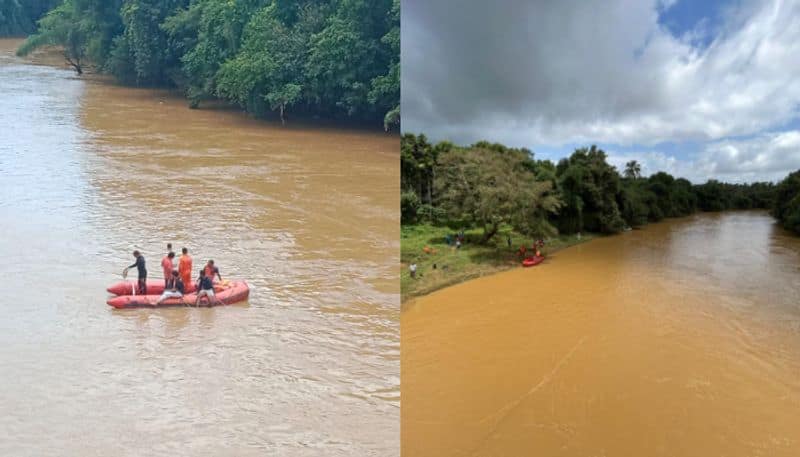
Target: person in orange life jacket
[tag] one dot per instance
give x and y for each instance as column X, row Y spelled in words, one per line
column 185, row 267
column 173, row 289
column 167, row 267
column 205, row 288
column 210, row 270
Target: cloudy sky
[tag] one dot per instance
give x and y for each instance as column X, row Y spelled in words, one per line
column 698, row 89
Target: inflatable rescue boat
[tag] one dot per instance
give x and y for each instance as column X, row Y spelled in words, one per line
column 226, row 293
column 532, row 261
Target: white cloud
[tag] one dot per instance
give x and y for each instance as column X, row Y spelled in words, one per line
column 766, row 157
column 552, row 73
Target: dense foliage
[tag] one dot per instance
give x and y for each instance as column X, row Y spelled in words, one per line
column 328, row 58
column 787, row 202
column 488, row 188
column 486, row 185
column 18, row 17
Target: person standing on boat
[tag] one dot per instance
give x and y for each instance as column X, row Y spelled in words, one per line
column 205, row 288
column 211, row 271
column 185, row 267
column 139, row 264
column 173, row 288
column 167, row 267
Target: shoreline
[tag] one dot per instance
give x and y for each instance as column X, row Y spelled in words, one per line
column 407, row 298
column 471, row 262
column 52, row 57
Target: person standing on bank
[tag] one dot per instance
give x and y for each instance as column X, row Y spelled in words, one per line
column 140, row 267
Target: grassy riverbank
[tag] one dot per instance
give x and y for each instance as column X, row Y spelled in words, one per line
column 458, row 265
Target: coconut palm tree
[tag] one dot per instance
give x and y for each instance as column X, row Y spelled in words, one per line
column 633, row 170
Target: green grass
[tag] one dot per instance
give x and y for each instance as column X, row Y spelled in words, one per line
column 458, row 265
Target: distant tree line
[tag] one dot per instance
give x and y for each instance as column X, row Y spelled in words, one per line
column 488, row 185
column 328, row 58
column 18, row 17
column 787, row 202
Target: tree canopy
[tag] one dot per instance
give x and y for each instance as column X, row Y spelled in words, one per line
column 487, row 185
column 336, row 59
column 18, row 17
column 488, row 188
column 786, row 207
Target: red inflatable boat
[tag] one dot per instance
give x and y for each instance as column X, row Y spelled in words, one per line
column 227, row 292
column 154, row 286
column 532, row 261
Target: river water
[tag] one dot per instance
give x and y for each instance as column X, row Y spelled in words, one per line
column 681, row 339
column 309, row 217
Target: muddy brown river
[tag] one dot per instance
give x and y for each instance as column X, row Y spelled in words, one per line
column 681, row 339
column 90, row 171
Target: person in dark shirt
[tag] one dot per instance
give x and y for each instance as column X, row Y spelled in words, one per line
column 139, row 264
column 174, row 288
column 205, row 288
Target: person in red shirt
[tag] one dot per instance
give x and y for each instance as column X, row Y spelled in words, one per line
column 210, row 270
column 167, row 267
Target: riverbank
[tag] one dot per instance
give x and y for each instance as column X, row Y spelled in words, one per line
column 472, row 260
column 52, row 56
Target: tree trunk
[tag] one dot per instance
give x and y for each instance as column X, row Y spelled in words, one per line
column 489, row 233
column 430, row 186
column 283, row 121
column 76, row 64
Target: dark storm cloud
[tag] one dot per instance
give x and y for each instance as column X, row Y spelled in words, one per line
column 552, row 73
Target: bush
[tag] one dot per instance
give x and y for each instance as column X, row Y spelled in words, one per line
column 431, row 214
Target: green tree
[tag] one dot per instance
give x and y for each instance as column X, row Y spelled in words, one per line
column 267, row 73
column 283, row 97
column 330, row 58
column 18, row 17
column 409, row 206
column 787, row 202
column 418, row 163
column 385, row 90
column 486, row 188
column 589, row 188
column 141, row 54
column 61, row 27
column 633, row 170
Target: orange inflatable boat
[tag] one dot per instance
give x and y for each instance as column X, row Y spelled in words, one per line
column 532, row 261
column 154, row 286
column 227, row 292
